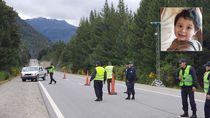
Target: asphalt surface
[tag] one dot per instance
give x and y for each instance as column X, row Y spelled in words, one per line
column 21, row 100
column 69, row 98
column 72, row 99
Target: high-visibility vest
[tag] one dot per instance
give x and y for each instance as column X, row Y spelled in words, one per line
column 99, row 73
column 206, row 82
column 186, row 78
column 109, row 71
column 52, row 69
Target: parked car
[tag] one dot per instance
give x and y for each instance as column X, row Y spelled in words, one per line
column 33, row 73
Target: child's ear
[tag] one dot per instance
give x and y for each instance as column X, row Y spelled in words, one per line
column 198, row 34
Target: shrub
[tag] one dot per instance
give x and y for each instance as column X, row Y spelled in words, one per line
column 14, row 71
column 4, row 75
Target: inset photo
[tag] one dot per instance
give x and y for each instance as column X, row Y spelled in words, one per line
column 181, row 29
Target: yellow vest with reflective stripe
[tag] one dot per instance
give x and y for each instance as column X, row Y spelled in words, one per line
column 51, row 70
column 99, row 73
column 186, row 78
column 109, row 70
column 206, row 81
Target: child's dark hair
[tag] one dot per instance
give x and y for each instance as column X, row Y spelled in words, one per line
column 190, row 14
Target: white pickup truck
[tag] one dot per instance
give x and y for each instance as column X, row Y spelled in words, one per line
column 33, row 73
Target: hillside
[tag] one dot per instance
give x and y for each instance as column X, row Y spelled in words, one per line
column 33, row 40
column 54, row 30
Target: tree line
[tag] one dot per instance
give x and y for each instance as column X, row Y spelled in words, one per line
column 12, row 52
column 119, row 35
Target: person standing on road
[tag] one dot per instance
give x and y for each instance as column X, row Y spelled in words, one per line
column 124, row 75
column 98, row 75
column 51, row 70
column 109, row 72
column 131, row 78
column 206, row 81
column 186, row 76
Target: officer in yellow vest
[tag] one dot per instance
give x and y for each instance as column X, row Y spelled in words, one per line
column 99, row 76
column 186, row 76
column 206, row 81
column 51, row 70
column 109, row 72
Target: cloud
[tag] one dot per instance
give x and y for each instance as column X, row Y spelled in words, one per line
column 70, row 10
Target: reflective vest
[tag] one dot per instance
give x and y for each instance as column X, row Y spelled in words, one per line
column 206, row 81
column 52, row 69
column 99, row 73
column 186, row 78
column 109, row 71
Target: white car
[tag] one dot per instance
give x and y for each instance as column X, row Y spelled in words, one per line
column 33, row 73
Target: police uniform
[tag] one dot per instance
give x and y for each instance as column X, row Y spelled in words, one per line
column 188, row 80
column 51, row 70
column 206, row 80
column 131, row 78
column 109, row 72
column 98, row 75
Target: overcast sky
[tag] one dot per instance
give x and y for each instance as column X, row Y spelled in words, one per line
column 70, row 10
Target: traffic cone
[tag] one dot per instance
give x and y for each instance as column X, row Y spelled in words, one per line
column 64, row 75
column 87, row 83
column 113, row 86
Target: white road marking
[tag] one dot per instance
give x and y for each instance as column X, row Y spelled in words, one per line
column 161, row 93
column 52, row 103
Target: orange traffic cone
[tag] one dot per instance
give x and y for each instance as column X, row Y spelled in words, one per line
column 113, row 86
column 87, row 83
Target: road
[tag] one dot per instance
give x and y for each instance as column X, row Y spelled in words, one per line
column 21, row 100
column 74, row 100
column 69, row 98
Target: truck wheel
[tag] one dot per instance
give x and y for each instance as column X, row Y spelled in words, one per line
column 23, row 80
column 44, row 77
column 36, row 79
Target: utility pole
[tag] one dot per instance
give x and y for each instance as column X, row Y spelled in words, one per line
column 157, row 81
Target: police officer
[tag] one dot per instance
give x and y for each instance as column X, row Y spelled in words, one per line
column 206, row 80
column 131, row 78
column 98, row 75
column 186, row 76
column 124, row 75
column 51, row 70
column 109, row 72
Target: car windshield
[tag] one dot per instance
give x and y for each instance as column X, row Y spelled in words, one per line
column 26, row 69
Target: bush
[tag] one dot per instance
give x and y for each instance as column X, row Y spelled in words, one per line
column 81, row 72
column 14, row 71
column 167, row 72
column 4, row 75
column 119, row 72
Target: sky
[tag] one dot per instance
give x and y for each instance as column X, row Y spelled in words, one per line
column 69, row 10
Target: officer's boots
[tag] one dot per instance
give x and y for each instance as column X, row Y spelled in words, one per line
column 128, row 98
column 194, row 115
column 185, row 114
column 133, row 97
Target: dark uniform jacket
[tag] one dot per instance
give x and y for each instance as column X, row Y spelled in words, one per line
column 131, row 74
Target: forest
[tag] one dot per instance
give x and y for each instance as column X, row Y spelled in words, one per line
column 120, row 35
column 13, row 54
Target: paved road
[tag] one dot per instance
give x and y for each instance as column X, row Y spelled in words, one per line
column 21, row 100
column 74, row 100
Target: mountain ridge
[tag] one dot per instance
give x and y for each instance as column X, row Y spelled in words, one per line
column 32, row 40
column 53, row 29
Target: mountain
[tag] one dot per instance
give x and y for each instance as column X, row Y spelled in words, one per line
column 53, row 29
column 32, row 40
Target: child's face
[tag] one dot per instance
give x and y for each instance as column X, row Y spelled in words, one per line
column 184, row 29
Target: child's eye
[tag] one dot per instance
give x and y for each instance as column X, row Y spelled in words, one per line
column 180, row 26
column 189, row 27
